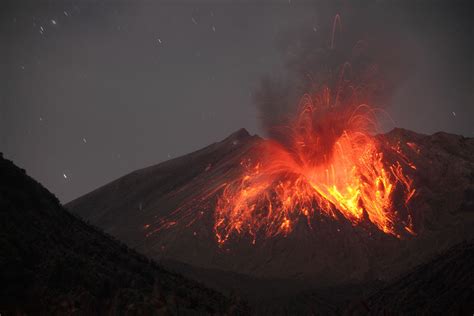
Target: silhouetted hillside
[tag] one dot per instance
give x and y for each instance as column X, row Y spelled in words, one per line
column 443, row 286
column 53, row 263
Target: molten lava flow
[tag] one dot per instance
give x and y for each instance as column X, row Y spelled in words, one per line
column 330, row 164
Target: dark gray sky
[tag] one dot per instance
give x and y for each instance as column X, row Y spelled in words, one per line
column 91, row 90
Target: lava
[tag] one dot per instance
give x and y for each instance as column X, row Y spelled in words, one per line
column 330, row 164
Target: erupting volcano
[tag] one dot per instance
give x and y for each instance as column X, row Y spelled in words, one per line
column 325, row 200
column 295, row 158
column 326, row 160
column 331, row 202
column 330, row 164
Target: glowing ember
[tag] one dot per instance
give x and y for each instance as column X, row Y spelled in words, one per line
column 331, row 164
column 326, row 162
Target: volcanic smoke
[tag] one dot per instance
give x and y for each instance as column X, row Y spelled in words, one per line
column 332, row 164
column 329, row 162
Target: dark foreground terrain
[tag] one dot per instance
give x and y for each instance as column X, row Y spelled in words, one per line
column 319, row 271
column 52, row 263
column 443, row 286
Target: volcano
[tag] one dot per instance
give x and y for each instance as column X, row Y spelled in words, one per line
column 168, row 212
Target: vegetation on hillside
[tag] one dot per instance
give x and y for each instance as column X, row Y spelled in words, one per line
column 53, row 263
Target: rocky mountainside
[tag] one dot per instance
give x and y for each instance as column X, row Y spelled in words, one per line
column 332, row 254
column 53, row 263
column 443, row 286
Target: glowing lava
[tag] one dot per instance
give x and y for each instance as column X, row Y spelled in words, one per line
column 330, row 164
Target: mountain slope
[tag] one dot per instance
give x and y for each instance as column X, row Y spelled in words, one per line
column 53, row 263
column 443, row 286
column 333, row 253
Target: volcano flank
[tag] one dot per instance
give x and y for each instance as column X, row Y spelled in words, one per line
column 168, row 212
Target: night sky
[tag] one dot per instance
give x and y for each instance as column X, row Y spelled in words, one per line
column 91, row 90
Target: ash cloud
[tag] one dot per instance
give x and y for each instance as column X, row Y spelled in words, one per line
column 417, row 57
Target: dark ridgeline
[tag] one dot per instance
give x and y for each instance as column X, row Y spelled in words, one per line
column 52, row 263
column 442, row 286
column 445, row 285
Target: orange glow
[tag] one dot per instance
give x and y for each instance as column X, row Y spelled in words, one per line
column 326, row 162
column 331, row 164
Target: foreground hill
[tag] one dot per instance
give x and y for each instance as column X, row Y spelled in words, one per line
column 334, row 253
column 53, row 263
column 443, row 286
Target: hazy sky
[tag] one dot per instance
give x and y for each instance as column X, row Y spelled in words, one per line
column 91, row 90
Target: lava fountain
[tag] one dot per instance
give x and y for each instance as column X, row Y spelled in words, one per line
column 330, row 163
